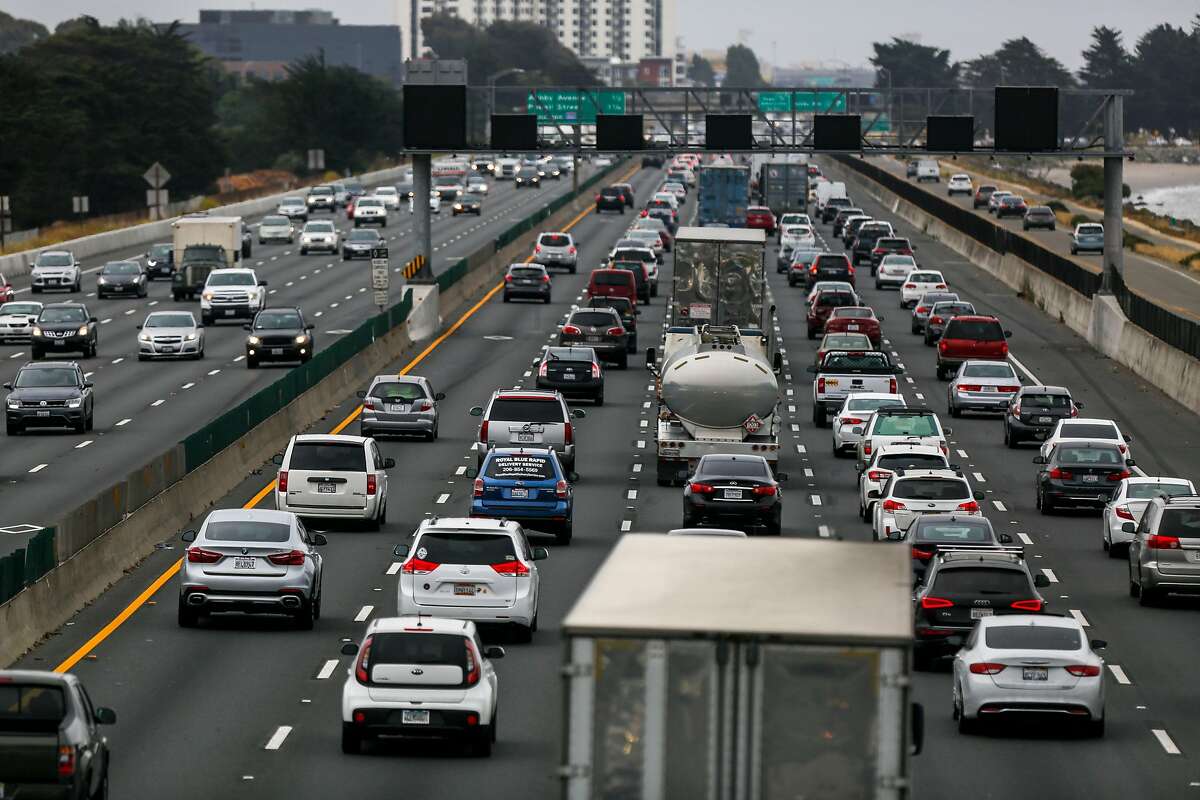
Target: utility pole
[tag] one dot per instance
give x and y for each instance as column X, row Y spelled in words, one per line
column 1114, row 174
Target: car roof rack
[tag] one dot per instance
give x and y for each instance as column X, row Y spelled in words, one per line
column 1181, row 498
column 1014, row 555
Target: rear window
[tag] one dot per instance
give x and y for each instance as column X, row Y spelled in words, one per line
column 981, row 580
column 955, row 533
column 868, row 360
column 1099, row 456
column 419, row 648
column 1086, row 430
column 28, row 706
column 328, row 457
column 612, row 278
column 595, row 319
column 394, row 392
column 836, row 299
column 872, row 403
column 731, row 468
column 519, row 410
column 1145, row 491
column 555, row 240
column 997, row 370
column 911, row 461
column 924, row 277
column 1091, row 229
column 931, row 489
column 857, row 313
column 446, row 547
column 526, row 272
column 950, row 309
column 894, row 244
column 247, row 530
column 906, row 425
column 1032, row 637
column 980, row 331
column 631, row 254
column 520, row 467
column 1181, row 522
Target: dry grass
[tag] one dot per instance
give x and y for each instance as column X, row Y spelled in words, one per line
column 1163, row 252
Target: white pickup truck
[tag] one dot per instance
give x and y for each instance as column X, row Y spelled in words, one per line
column 845, row 372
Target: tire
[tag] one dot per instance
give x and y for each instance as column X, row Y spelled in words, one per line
column 303, row 251
column 1114, row 551
column 878, row 286
column 546, row 300
column 506, row 300
column 775, row 525
column 599, row 399
column 306, row 616
column 177, row 296
column 352, row 740
column 865, row 513
column 101, row 792
column 13, row 429
column 35, row 354
column 819, row 416
column 967, row 727
column 187, row 617
column 1045, row 504
column 1094, row 728
column 915, row 330
column 1147, row 598
column 564, row 534
column 90, row 422
column 523, row 634
column 251, row 363
column 812, row 334
column 36, row 289
column 953, row 409
column 142, row 357
column 1010, row 439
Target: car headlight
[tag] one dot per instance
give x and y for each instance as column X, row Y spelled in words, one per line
column 207, row 296
column 74, row 402
column 102, row 280
column 14, row 403
column 253, row 340
column 144, row 337
column 458, row 206
column 82, row 330
column 37, row 331
column 191, row 337
column 301, row 339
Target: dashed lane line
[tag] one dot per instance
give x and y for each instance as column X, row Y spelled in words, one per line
column 1079, row 617
column 1024, row 537
column 1165, row 740
column 277, row 739
column 999, row 505
column 363, row 613
column 1119, row 674
column 327, row 669
column 394, row 567
column 1050, row 576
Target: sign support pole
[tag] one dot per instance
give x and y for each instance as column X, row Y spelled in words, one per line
column 1114, row 169
column 422, row 180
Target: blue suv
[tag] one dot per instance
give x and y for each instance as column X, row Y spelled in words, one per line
column 527, row 485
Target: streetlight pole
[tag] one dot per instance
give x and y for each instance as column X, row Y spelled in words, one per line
column 888, row 72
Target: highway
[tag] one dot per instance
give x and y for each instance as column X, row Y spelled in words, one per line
column 141, row 407
column 251, row 708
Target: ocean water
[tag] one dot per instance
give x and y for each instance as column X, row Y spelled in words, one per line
column 1182, row 202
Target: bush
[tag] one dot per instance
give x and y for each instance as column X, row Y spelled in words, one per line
column 289, row 162
column 1087, row 180
column 1057, row 206
column 1192, row 261
column 1080, row 219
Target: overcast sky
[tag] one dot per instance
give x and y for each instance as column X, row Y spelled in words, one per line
column 781, row 31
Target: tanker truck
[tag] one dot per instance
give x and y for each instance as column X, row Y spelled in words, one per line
column 716, row 375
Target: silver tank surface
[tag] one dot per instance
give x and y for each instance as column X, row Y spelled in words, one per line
column 719, row 388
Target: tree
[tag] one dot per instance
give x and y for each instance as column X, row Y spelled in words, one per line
column 1106, row 63
column 1164, row 97
column 506, row 45
column 17, row 33
column 741, row 67
column 701, row 71
column 912, row 64
column 1018, row 62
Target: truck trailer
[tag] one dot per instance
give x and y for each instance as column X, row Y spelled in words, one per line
column 724, row 195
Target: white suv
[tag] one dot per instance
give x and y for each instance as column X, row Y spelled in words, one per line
column 370, row 211
column 232, row 294
column 886, row 460
column 339, row 477
column 892, row 425
column 420, row 677
column 909, row 493
column 319, row 235
column 527, row 418
column 55, row 269
column 960, row 183
column 471, row 568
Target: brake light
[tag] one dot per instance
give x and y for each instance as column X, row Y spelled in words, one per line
column 537, row 248
column 940, row 286
column 1124, row 513
column 615, row 331
column 851, row 421
column 867, row 449
column 595, row 370
column 701, row 488
column 922, row 309
column 571, row 330
column 478, row 491
column 820, row 385
column 878, row 251
column 935, row 602
column 765, row 491
column 1007, row 388
column 893, row 505
column 892, row 386
column 571, row 249
column 513, row 568
column 472, row 665
column 969, row 506
column 508, row 278
column 66, row 760
column 569, row 434
column 198, row 555
column 542, row 369
column 369, row 404
column 935, row 320
column 597, row 198
column 483, row 431
column 945, row 450
column 910, row 286
column 290, row 558
column 281, row 480
column 1118, row 476
column 418, row 566
column 372, row 485
column 921, row 554
column 943, row 345
column 850, row 270
column 877, row 474
column 1157, row 542
column 364, row 661
column 545, row 279
column 969, row 387
column 1028, row 605
column 1074, row 411
column 986, row 668
column 813, row 269
column 1083, row 670
column 1121, row 447
column 1059, row 474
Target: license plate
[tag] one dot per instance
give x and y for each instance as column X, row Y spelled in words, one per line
column 412, row 716
column 169, row 349
column 1045, row 420
column 464, row 589
column 43, row 413
column 568, row 376
column 59, row 343
column 1090, row 478
column 851, row 327
column 525, row 438
column 593, row 338
column 276, row 351
column 1193, row 556
column 733, row 494
column 326, row 488
column 244, row 563
column 519, row 493
column 1033, row 673
column 229, row 312
column 395, row 408
column 980, row 613
column 988, row 389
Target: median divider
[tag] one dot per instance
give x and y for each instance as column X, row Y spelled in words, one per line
column 93, row 545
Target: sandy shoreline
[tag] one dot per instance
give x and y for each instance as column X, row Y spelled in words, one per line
column 1143, row 177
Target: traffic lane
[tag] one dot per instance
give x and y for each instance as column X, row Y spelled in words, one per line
column 192, row 653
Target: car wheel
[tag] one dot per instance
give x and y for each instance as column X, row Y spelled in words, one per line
column 775, row 524
column 352, row 740
column 523, row 634
column 35, row 354
column 599, row 399
column 878, row 286
column 812, row 334
column 303, row 251
column 953, row 409
column 623, row 361
column 546, row 300
column 1094, row 728
column 864, row 512
column 101, row 792
column 305, row 617
column 506, row 298
column 90, row 423
column 251, row 363
column 188, row 617
column 1045, row 504
column 819, row 416
column 1147, row 597
column 13, row 429
column 967, row 726
column 565, row 533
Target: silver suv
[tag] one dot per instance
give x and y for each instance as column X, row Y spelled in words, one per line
column 556, row 250
column 527, row 418
column 1164, row 556
column 55, row 269
column 396, row 405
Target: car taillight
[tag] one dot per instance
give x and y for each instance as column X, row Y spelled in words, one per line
column 1083, row 670
column 423, row 405
column 892, row 386
column 537, row 248
column 291, row 558
column 1007, row 388
column 560, row 489
column 1060, row 474
column 508, row 278
column 66, row 761
column 1004, row 348
column 1121, row 447
column 545, row 279
column 369, row 404
column 418, row 566
column 644, row 213
column 514, row 568
column 1028, row 605
column 877, row 474
column 922, row 309
column 1119, row 476
column 571, row 249
column 472, row 665
column 198, row 555
column 850, row 270
column 851, row 421
column 483, row 431
column 372, row 485
column 478, row 487
column 878, row 251
column 615, row 331
column 910, row 286
column 943, row 345
column 701, row 488
column 1074, row 411
column 820, row 385
column 363, row 664
column 542, row 369
column 867, row 449
column 935, row 320
column 969, row 387
column 986, row 668
column 568, row 433
column 281, row 480
column 921, row 554
column 597, row 198
column 935, row 602
column 1157, row 542
column 595, row 370
column 765, row 491
column 970, row 506
column 813, row 269
column 893, row 505
column 1124, row 513
column 571, row 330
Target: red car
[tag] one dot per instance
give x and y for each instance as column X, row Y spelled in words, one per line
column 970, row 337
column 613, row 283
column 855, row 319
column 823, row 304
column 7, row 292
column 760, row 217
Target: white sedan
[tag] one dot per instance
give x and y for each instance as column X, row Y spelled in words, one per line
column 389, row 195
column 797, row 236
column 854, row 413
column 918, row 283
column 1128, row 502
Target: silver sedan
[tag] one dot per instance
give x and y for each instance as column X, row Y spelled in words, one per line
column 982, row 386
column 170, row 334
column 1020, row 663
column 1129, row 501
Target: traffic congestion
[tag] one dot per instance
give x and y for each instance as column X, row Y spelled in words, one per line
column 398, row 575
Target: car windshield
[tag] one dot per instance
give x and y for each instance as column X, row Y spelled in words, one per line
column 278, row 320
column 329, row 457
column 1146, row 491
column 1032, row 637
column 594, row 319
column 120, row 268
column 612, row 277
column 1087, row 430
column 872, row 403
column 230, row 279
column 160, row 250
column 906, row 425
column 31, row 707
column 63, row 315
column 1090, row 456
column 42, row 377
column 396, row 392
column 981, row 580
column 976, row 330
column 554, row 240
column 867, row 360
column 997, row 370
column 520, row 467
column 957, row 532
column 362, row 235
column 247, row 530
column 169, row 321
column 733, row 468
column 445, row 547
column 1088, row 230
column 931, row 489
column 515, row 409
column 895, row 461
column 54, row 260
column 20, row 308
column 319, row 227
column 275, row 222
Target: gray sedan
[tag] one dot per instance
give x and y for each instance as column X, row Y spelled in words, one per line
column 982, row 386
column 400, row 405
column 921, row 311
column 170, row 334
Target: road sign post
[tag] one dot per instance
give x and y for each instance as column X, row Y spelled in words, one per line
column 381, row 276
column 316, row 160
column 156, row 197
column 80, row 205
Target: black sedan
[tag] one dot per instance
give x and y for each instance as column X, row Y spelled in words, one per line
column 1080, row 474
column 65, row 328
column 468, row 204
column 734, row 490
column 1034, row 411
column 121, row 278
column 573, row 372
column 360, row 242
column 278, row 334
column 931, row 532
column 527, row 281
column 527, row 176
column 160, row 260
column 599, row 329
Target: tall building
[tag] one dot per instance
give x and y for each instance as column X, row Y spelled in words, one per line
column 627, row 30
column 263, row 42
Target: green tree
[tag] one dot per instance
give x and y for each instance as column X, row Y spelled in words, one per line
column 1106, row 63
column 17, row 33
column 701, row 71
column 741, row 67
column 506, row 45
column 912, row 64
column 1018, row 62
column 1163, row 96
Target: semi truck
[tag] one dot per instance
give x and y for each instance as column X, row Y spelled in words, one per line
column 716, row 373
column 783, row 186
column 724, row 195
column 684, row 678
column 201, row 244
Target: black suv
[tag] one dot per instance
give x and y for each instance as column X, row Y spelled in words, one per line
column 49, row 395
column 611, row 198
column 866, row 237
column 278, row 334
column 628, row 313
column 573, row 372
column 1033, row 412
column 964, row 585
column 63, row 328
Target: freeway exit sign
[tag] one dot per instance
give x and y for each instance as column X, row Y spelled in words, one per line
column 573, row 107
column 815, row 101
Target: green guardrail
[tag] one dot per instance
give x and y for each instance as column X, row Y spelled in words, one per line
column 22, row 567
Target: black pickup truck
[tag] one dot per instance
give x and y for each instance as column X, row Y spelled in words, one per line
column 50, row 742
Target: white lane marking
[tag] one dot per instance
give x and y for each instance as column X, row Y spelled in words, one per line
column 801, row 448
column 394, row 567
column 962, row 453
column 626, row 525
column 791, row 409
column 363, row 613
column 920, row 396
column 642, row 423
column 157, row 403
column 118, row 360
column 212, row 372
column 153, row 303
column 327, row 669
column 979, row 477
column 17, row 354
column 808, row 473
column 460, row 471
column 1024, row 537
column 130, row 311
column 293, row 283
column 272, row 291
column 1025, row 369
column 815, row 498
column 1165, row 741
column 1079, row 617
column 188, row 385
column 1119, row 674
column 106, row 320
column 999, row 506
column 795, row 428
column 239, row 358
column 790, row 392
column 39, row 468
column 1050, row 576
column 319, row 313
column 123, row 422
column 910, row 380
column 631, row 494
column 84, row 444
column 824, row 531
column 645, row 404
column 528, row 373
column 637, row 467
column 442, row 498
column 281, row 733
column 641, row 444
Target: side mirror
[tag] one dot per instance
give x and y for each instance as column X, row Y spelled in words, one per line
column 8, row 385
column 190, row 536
column 1041, row 581
column 277, row 459
column 247, row 327
column 948, row 431
column 349, row 649
column 476, row 411
column 319, row 540
column 578, row 413
column 88, row 385
column 439, row 396
column 105, row 716
column 899, row 370
column 361, row 395
column 573, row 477
column 493, row 652
column 880, row 318
column 895, row 536
column 1078, row 405
column 1039, row 459
column 1127, row 438
column 137, row 327
column 540, row 554
column 873, row 494
column 309, row 327
column 1129, row 462
column 781, row 477
column 1098, row 644
column 388, row 463
column 651, row 357
column 471, row 472
column 93, row 319
column 1005, row 538
column 262, row 283
column 1008, row 334
column 400, row 551
column 979, row 496
column 1128, row 527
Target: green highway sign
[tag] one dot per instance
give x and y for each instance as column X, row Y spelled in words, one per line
column 574, row 107
column 814, row 101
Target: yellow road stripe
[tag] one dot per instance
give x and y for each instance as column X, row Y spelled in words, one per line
column 171, row 571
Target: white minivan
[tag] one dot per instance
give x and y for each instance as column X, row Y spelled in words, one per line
column 333, row 477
